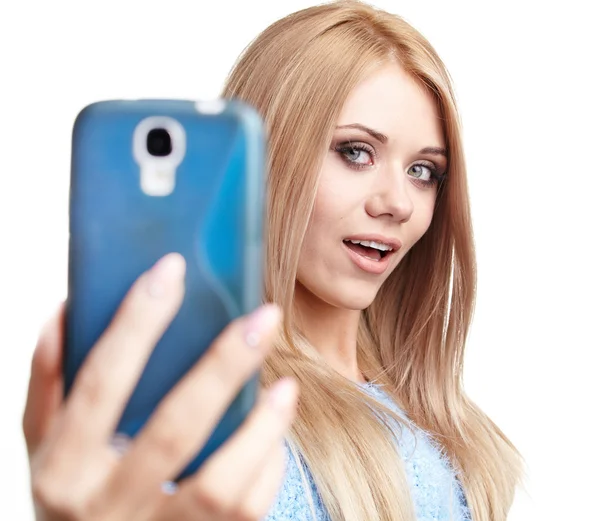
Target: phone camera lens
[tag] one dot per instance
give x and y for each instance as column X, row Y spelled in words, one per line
column 159, row 142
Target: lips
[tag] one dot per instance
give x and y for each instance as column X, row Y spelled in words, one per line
column 371, row 253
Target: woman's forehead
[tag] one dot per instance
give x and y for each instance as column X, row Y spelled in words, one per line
column 394, row 103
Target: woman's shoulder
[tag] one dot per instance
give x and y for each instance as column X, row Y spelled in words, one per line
column 297, row 496
column 436, row 491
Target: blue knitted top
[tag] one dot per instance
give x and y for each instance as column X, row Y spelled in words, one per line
column 435, row 489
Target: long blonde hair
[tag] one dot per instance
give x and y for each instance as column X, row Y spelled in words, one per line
column 298, row 74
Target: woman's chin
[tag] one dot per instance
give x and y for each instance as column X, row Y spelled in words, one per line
column 358, row 300
column 351, row 295
column 358, row 304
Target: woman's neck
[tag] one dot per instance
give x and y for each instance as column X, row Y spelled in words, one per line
column 332, row 331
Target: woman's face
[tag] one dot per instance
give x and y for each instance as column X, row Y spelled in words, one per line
column 377, row 189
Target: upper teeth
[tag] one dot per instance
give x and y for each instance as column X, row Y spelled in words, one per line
column 373, row 244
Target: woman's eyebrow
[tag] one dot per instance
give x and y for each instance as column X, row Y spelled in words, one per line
column 434, row 151
column 382, row 138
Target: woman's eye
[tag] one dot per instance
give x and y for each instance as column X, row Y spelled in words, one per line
column 421, row 172
column 356, row 155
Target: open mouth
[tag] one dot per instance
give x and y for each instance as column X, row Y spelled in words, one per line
column 370, row 249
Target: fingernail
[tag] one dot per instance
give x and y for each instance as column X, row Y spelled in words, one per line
column 169, row 487
column 282, row 394
column 120, row 443
column 50, row 323
column 260, row 322
column 167, row 270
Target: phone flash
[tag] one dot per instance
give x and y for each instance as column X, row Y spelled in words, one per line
column 156, row 180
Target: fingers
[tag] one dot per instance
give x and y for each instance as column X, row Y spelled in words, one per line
column 73, row 461
column 184, row 420
column 45, row 383
column 250, row 445
column 241, row 479
column 194, row 504
column 113, row 367
column 262, row 494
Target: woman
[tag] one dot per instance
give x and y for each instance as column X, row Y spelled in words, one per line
column 370, row 258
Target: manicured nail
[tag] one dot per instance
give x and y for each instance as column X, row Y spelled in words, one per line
column 169, row 487
column 120, row 443
column 167, row 270
column 283, row 394
column 50, row 324
column 260, row 322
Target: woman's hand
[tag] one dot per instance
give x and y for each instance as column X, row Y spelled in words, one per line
column 76, row 473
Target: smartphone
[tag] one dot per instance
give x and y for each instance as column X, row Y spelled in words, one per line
column 149, row 177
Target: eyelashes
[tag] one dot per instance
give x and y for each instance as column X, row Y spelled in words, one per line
column 350, row 152
column 358, row 156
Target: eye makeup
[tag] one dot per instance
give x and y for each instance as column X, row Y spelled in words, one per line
column 351, row 151
column 359, row 155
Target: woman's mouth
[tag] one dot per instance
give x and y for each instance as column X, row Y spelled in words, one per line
column 370, row 249
column 371, row 254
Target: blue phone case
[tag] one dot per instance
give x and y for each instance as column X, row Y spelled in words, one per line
column 213, row 217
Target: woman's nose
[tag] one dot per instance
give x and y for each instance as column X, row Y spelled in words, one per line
column 391, row 196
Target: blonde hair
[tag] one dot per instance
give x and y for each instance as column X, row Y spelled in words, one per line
column 298, row 74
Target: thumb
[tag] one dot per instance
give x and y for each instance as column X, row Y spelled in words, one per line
column 44, row 395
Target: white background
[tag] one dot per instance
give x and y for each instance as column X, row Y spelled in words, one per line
column 526, row 76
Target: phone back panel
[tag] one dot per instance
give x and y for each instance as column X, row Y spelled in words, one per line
column 213, row 217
